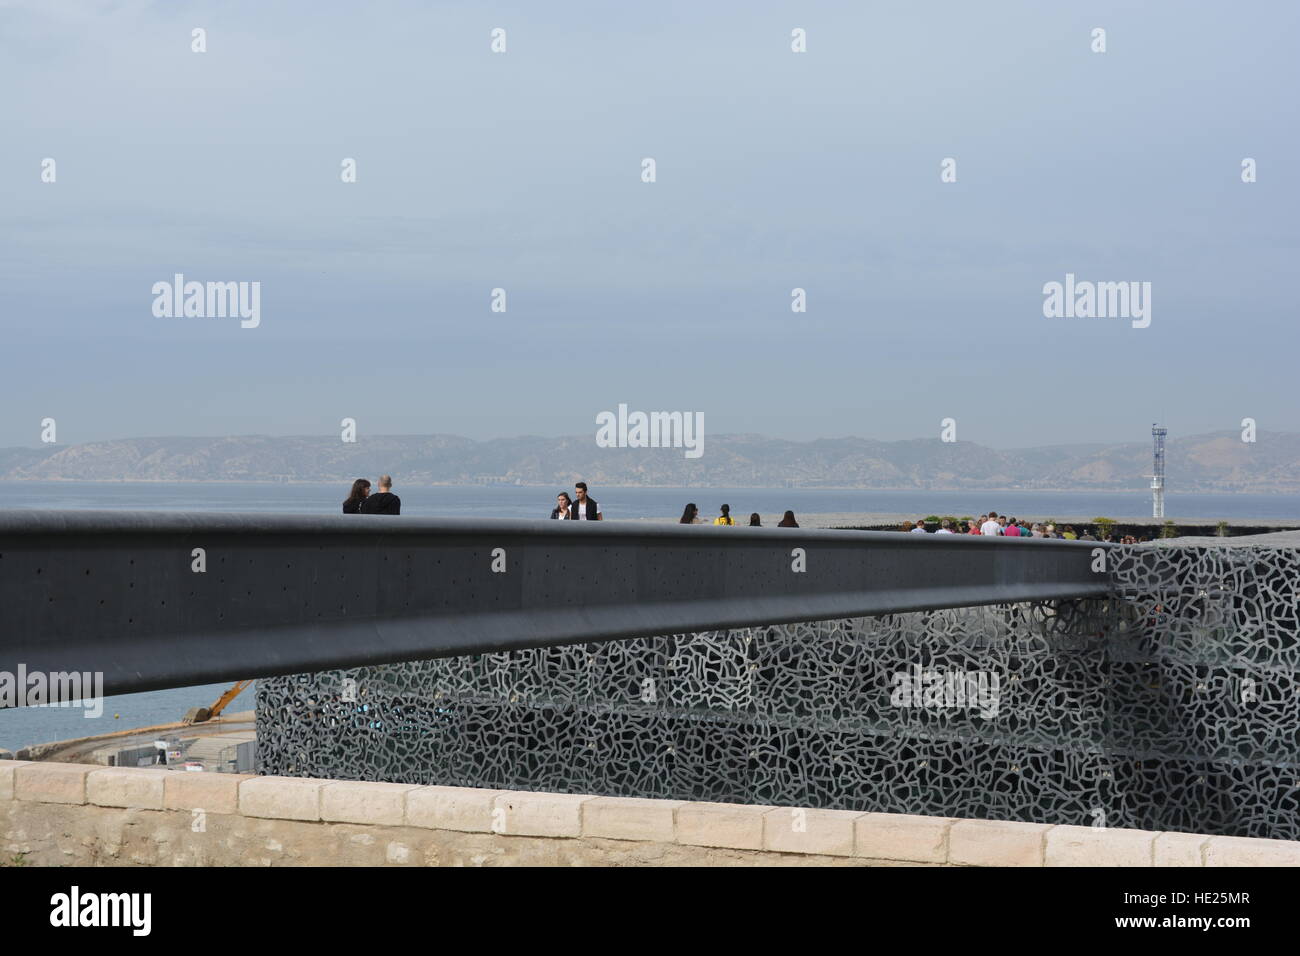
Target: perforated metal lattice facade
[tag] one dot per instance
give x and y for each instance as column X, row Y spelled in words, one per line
column 1175, row 706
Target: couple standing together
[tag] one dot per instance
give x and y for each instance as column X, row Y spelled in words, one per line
column 361, row 502
column 579, row 508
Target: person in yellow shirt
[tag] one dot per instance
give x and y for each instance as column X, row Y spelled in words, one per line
column 726, row 516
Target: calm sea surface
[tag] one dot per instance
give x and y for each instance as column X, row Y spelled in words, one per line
column 509, row 501
column 23, row 726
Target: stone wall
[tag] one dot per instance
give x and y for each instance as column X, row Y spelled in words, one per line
column 55, row 814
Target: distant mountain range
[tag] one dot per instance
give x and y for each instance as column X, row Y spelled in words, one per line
column 1218, row 461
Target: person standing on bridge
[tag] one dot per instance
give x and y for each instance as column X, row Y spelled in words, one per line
column 584, row 508
column 991, row 527
column 385, row 502
column 562, row 505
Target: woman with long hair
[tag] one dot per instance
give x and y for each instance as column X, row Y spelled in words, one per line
column 755, row 521
column 562, row 505
column 726, row 516
column 689, row 514
column 359, row 493
column 788, row 521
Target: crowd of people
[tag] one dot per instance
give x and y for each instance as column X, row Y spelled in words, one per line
column 691, row 515
column 1009, row 526
column 580, row 506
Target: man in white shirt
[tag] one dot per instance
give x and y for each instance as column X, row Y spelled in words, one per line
column 991, row 527
column 920, row 528
column 944, row 527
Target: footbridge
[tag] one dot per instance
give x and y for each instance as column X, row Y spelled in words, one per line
column 155, row 600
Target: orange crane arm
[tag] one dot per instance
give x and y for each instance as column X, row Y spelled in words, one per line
column 227, row 697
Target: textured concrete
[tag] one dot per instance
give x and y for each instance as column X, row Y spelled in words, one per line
column 209, row 792
column 383, row 804
column 122, row 787
column 899, row 836
column 540, row 814
column 1099, row 846
column 284, row 798
column 732, row 825
column 1246, row 851
column 452, row 808
column 1180, row 849
column 796, row 830
column 612, row 818
column 996, row 843
column 51, row 782
column 8, row 768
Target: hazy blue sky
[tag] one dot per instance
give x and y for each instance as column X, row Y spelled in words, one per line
column 775, row 170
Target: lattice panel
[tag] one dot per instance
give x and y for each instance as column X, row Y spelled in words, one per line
column 1176, row 706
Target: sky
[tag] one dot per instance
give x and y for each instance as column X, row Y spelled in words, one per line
column 523, row 171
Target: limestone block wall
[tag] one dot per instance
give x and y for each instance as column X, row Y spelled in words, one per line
column 78, row 814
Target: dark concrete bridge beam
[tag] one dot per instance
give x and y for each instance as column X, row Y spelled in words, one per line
column 123, row 594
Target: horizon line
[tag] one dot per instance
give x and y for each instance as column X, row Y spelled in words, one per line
column 720, row 435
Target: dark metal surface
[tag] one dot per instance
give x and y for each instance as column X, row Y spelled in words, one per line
column 113, row 592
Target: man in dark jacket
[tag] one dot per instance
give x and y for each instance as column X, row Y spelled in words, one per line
column 584, row 508
column 383, row 503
